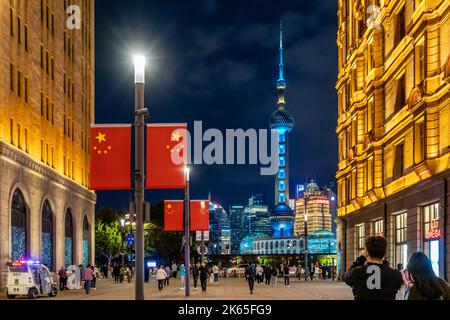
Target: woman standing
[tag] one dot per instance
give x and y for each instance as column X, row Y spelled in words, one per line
column 215, row 270
column 161, row 276
column 182, row 275
column 426, row 285
column 88, row 276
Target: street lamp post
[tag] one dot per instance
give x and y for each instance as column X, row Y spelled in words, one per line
column 122, row 224
column 187, row 235
column 140, row 114
column 306, row 242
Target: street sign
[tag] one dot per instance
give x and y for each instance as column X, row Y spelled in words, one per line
column 130, row 239
column 202, row 249
column 198, row 235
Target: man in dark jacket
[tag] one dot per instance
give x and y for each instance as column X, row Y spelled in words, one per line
column 250, row 273
column 370, row 276
column 204, row 274
column 195, row 273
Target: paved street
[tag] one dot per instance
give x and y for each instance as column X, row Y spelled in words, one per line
column 228, row 289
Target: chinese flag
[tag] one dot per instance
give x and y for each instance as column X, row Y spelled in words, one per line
column 111, row 157
column 173, row 215
column 199, row 215
column 166, row 156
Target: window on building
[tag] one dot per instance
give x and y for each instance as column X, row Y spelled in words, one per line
column 282, row 161
column 400, row 100
column 400, row 26
column 420, row 141
column 25, row 34
column 432, row 234
column 11, row 130
column 19, row 143
column 19, row 83
column 47, row 108
column 11, row 21
column 282, row 174
column 52, row 118
column 370, row 173
column 370, row 119
column 400, row 239
column 282, row 197
column 46, row 63
column 282, row 137
column 42, row 56
column 282, row 185
column 399, row 161
column 353, row 186
column 360, row 239
column 53, row 24
column 378, row 227
column 42, row 151
column 42, row 104
column 11, row 76
column 354, row 131
column 19, row 27
column 53, row 68
column 282, row 148
column 25, row 135
column 420, row 64
column 26, row 90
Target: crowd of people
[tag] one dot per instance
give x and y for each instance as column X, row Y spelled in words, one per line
column 89, row 275
column 371, row 277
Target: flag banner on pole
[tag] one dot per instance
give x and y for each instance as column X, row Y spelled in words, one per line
column 173, row 215
column 199, row 215
column 166, row 156
column 110, row 157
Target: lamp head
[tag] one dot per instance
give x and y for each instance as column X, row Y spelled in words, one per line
column 139, row 69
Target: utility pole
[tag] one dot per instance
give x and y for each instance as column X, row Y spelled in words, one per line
column 306, row 241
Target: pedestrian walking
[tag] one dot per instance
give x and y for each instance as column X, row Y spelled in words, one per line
column 168, row 273
column 196, row 274
column 182, row 276
column 274, row 277
column 358, row 275
column 88, row 276
column 259, row 273
column 94, row 278
column 116, row 273
column 62, row 279
column 161, row 276
column 174, row 270
column 425, row 284
column 286, row 275
column 122, row 273
column 267, row 274
column 250, row 276
column 204, row 273
column 215, row 271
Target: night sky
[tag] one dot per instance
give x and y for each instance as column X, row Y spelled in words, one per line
column 217, row 61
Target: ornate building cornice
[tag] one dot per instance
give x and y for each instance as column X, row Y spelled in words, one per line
column 27, row 161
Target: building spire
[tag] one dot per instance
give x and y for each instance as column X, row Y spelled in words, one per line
column 281, row 71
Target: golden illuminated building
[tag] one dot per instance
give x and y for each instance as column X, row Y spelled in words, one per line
column 46, row 109
column 318, row 210
column 394, row 127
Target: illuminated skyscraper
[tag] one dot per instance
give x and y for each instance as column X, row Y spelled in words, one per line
column 282, row 219
column 46, row 109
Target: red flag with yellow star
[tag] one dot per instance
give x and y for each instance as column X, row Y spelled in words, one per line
column 199, row 215
column 173, row 215
column 166, row 156
column 111, row 157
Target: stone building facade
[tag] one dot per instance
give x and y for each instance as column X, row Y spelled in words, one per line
column 47, row 211
column 394, row 128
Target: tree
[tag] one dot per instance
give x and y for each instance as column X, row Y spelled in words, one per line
column 165, row 244
column 108, row 239
column 108, row 214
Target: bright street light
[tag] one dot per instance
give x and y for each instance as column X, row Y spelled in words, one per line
column 139, row 69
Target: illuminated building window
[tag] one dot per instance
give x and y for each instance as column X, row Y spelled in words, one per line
column 420, row 65
column 25, row 146
column 19, row 83
column 18, row 136
column 11, row 130
column 432, row 234
column 400, row 239
column 46, row 63
column 42, row 56
column 369, row 173
column 360, row 239
column 11, row 76
column 281, row 186
column 400, row 100
column 282, row 197
column 399, row 161
column 42, row 151
column 53, row 68
column 282, row 174
column 420, row 142
column 26, row 93
column 18, row 30
column 11, row 21
column 25, row 33
column 400, row 27
column 282, row 161
column 282, row 148
column 378, row 227
column 282, row 137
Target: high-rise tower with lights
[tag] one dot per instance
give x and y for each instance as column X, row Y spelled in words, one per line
column 282, row 219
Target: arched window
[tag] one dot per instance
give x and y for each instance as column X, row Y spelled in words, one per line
column 86, row 242
column 68, row 239
column 47, row 235
column 19, row 236
column 271, row 245
column 295, row 244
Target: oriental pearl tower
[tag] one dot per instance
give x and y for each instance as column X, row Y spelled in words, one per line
column 282, row 216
